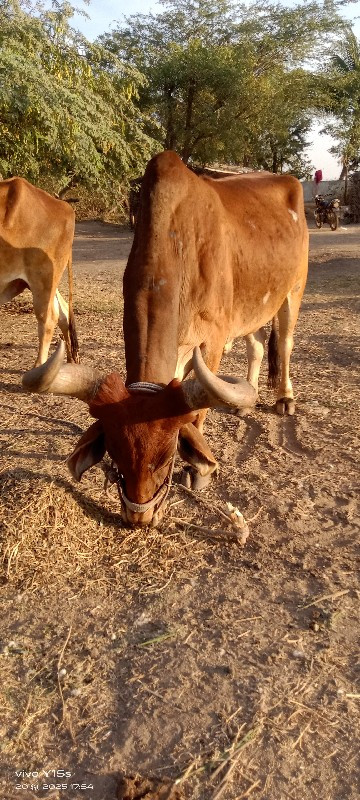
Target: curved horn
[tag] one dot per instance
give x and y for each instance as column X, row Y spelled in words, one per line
column 55, row 377
column 210, row 390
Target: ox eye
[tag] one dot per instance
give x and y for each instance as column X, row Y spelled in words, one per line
column 163, row 461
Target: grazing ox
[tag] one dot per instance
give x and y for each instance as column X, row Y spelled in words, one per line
column 211, row 260
column 36, row 236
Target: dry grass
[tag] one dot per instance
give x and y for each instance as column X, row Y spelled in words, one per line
column 176, row 652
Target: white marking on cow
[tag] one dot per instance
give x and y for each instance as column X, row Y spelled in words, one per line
column 252, row 224
column 266, row 297
column 293, row 214
column 155, row 286
column 228, row 346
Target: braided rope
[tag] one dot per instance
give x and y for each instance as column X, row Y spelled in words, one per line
column 144, row 386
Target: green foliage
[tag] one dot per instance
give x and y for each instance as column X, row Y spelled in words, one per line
column 224, row 81
column 343, row 81
column 63, row 113
column 214, row 80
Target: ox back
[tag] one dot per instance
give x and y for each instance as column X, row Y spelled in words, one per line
column 211, row 260
column 36, row 237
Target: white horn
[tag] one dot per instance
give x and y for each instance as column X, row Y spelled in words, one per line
column 55, row 377
column 211, row 390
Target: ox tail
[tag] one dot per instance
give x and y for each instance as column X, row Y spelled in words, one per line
column 273, row 357
column 74, row 343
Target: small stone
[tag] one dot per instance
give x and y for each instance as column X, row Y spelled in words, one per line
column 62, row 672
column 144, row 619
column 298, row 654
column 15, row 647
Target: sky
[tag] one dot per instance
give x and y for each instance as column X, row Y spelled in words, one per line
column 103, row 14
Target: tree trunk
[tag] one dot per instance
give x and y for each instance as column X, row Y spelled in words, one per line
column 187, row 148
column 70, row 185
column 170, row 138
column 346, row 185
column 275, row 161
column 274, row 155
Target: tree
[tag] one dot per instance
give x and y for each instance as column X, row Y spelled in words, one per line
column 63, row 114
column 343, row 77
column 286, row 119
column 221, row 76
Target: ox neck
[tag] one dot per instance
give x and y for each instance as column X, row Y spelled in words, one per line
column 151, row 302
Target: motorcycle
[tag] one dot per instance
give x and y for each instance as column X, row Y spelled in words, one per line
column 326, row 212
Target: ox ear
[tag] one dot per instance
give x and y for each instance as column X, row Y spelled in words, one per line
column 89, row 450
column 194, row 450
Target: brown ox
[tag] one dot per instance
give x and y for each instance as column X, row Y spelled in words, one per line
column 36, row 236
column 211, row 260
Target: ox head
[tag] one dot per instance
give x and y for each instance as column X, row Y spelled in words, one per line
column 139, row 425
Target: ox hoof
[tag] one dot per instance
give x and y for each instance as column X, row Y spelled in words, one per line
column 244, row 412
column 285, row 406
column 193, row 480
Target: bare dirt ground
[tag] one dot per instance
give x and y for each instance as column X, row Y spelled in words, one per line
column 176, row 653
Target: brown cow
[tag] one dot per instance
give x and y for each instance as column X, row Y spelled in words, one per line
column 36, row 236
column 211, row 260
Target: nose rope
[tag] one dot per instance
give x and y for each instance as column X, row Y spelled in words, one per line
column 158, row 500
column 160, row 496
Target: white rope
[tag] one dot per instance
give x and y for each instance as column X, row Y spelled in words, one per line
column 159, row 497
column 140, row 508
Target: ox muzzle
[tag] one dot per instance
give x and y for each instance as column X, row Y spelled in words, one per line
column 151, row 512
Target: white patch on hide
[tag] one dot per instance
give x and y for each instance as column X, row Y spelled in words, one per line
column 266, row 297
column 228, row 346
column 293, row 214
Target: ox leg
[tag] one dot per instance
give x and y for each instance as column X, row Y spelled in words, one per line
column 63, row 321
column 192, row 445
column 194, row 450
column 47, row 312
column 255, row 343
column 287, row 316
